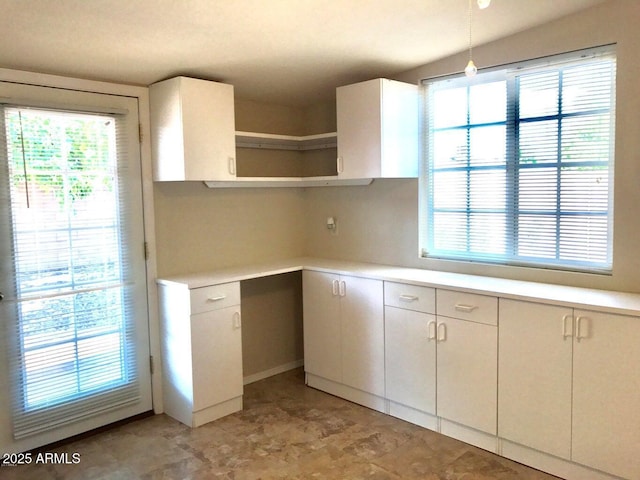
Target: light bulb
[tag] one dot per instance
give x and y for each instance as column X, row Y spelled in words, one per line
column 484, row 3
column 471, row 69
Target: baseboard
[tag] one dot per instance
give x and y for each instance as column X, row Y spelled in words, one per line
column 272, row 371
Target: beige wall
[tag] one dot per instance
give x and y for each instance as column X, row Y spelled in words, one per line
column 200, row 229
column 376, row 223
column 271, row 322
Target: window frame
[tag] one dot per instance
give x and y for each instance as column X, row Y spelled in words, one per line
column 511, row 74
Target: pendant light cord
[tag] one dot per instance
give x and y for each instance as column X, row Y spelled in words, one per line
column 470, row 38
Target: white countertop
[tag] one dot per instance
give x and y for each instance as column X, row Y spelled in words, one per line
column 600, row 300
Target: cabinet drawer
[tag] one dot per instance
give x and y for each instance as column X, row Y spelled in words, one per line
column 410, row 297
column 467, row 306
column 215, row 297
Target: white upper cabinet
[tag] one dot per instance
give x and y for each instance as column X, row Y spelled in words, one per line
column 378, row 134
column 192, row 130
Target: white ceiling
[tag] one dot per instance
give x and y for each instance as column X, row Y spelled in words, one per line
column 291, row 52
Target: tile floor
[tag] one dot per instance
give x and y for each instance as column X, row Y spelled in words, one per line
column 286, row 431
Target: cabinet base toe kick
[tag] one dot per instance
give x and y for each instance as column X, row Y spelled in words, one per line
column 348, row 393
column 209, row 414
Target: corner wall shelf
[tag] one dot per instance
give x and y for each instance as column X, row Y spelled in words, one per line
column 244, row 182
column 286, row 142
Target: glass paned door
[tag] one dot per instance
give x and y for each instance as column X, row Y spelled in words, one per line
column 77, row 335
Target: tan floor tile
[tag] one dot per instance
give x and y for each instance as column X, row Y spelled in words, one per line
column 286, row 431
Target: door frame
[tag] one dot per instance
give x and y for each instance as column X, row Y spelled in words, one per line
column 142, row 94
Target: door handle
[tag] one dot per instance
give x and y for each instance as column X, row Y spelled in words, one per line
column 579, row 329
column 431, row 327
column 237, row 323
column 335, row 288
column 566, row 333
column 442, row 332
column 1, row 296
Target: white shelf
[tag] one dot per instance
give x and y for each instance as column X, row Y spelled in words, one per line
column 244, row 182
column 286, row 142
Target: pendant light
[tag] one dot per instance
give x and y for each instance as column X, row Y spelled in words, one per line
column 471, row 69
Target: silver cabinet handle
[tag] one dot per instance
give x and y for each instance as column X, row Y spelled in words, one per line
column 1, row 296
column 461, row 307
column 343, row 288
column 409, row 298
column 335, row 288
column 237, row 323
column 216, row 298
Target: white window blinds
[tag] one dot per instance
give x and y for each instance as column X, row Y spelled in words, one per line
column 520, row 165
column 72, row 350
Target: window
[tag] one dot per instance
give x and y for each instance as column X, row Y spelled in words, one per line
column 519, row 166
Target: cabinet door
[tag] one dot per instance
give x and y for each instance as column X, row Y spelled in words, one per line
column 192, row 130
column 216, row 346
column 606, row 393
column 322, row 332
column 467, row 373
column 358, row 112
column 410, row 358
column 377, row 129
column 400, row 135
column 361, row 311
column 534, row 382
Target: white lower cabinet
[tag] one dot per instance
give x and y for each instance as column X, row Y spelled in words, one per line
column 344, row 333
column 467, row 370
column 410, row 352
column 438, row 365
column 467, row 374
column 216, row 347
column 410, row 359
column 534, row 385
column 201, row 351
column 322, row 326
column 569, row 384
column 606, row 393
